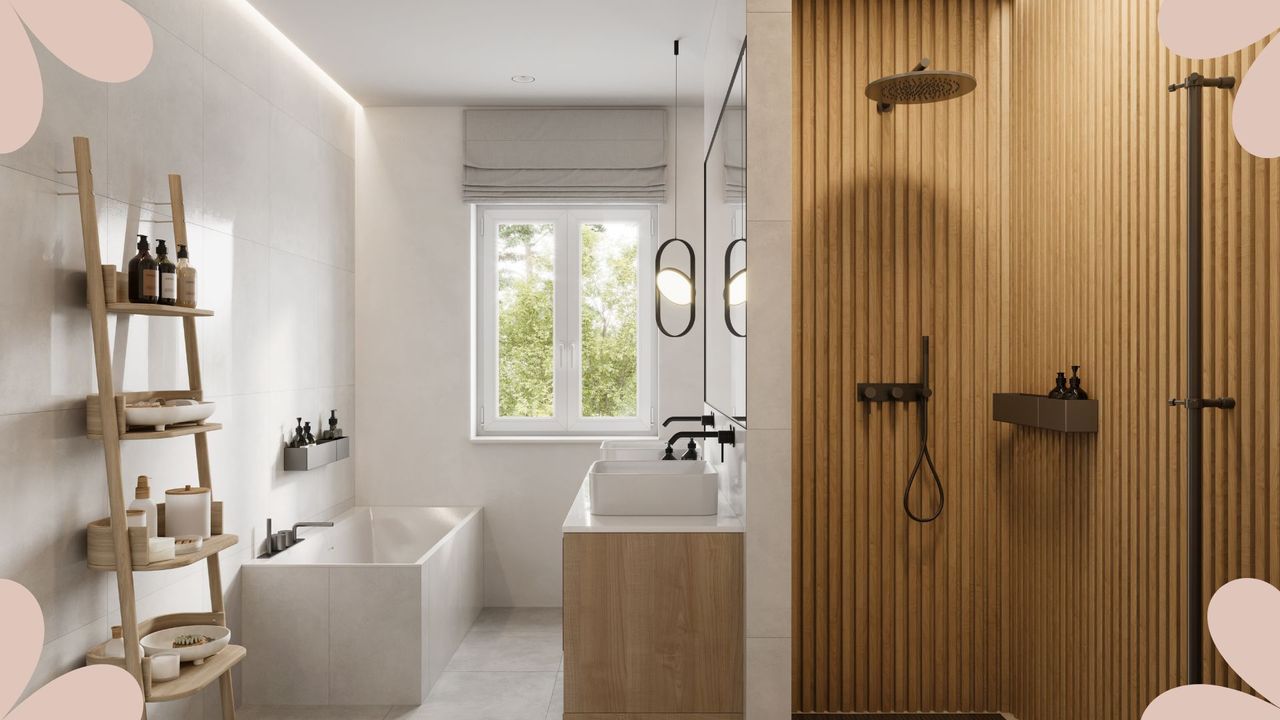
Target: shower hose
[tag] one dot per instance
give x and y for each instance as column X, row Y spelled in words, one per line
column 922, row 459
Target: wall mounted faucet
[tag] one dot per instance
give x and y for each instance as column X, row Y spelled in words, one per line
column 724, row 437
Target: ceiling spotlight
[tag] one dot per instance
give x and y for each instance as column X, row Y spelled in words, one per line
column 523, row 79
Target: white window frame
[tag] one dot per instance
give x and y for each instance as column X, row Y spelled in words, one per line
column 568, row 420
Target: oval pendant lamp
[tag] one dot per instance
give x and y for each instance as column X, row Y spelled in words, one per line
column 672, row 283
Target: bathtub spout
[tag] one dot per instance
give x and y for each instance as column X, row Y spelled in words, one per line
column 293, row 534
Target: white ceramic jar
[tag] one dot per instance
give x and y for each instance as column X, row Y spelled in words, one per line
column 188, row 511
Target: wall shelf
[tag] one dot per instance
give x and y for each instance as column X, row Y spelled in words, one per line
column 100, row 546
column 310, row 457
column 1037, row 411
column 156, row 310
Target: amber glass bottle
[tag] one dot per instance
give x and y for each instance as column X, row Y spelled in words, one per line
column 168, row 275
column 144, row 275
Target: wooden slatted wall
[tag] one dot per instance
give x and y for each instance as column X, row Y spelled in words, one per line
column 901, row 230
column 1096, row 523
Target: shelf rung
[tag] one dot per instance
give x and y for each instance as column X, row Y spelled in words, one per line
column 156, row 310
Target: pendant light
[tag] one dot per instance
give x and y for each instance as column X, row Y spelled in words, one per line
column 735, row 287
column 673, row 283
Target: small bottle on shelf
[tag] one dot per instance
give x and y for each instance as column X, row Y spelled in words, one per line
column 168, row 275
column 144, row 275
column 1059, row 391
column 306, row 431
column 115, row 646
column 1076, row 392
column 142, row 501
column 186, row 279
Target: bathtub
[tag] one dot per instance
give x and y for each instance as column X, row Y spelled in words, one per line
column 367, row 612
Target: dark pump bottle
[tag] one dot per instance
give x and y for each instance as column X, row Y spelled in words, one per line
column 1076, row 392
column 168, row 275
column 1059, row 391
column 144, row 275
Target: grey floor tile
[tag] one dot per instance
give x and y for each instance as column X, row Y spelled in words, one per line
column 518, row 620
column 555, row 711
column 509, row 652
column 313, row 712
column 484, row 696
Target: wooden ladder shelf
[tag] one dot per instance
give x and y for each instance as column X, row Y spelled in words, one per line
column 193, row 678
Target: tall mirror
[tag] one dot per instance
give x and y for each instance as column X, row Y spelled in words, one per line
column 725, row 253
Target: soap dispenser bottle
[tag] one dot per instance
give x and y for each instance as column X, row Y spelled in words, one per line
column 144, row 275
column 142, row 501
column 168, row 275
column 1059, row 391
column 186, row 279
column 1076, row 392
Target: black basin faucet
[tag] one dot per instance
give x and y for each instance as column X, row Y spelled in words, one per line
column 724, row 437
column 705, row 420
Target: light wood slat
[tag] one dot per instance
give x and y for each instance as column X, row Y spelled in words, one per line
column 898, row 223
column 1098, row 535
column 1035, row 224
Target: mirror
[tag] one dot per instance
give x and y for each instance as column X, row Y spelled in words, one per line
column 724, row 174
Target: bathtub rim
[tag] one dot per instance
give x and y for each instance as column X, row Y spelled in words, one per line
column 275, row 561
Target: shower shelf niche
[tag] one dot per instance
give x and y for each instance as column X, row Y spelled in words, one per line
column 1037, row 411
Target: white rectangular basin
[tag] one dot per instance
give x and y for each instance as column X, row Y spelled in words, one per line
column 658, row 487
column 648, row 449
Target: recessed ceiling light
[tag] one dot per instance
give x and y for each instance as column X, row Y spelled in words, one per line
column 523, row 79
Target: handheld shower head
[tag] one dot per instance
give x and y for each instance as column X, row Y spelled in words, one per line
column 919, row 86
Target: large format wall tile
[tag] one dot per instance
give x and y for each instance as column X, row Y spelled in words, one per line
column 237, row 134
column 207, row 117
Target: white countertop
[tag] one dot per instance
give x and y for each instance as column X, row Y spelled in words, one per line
column 579, row 520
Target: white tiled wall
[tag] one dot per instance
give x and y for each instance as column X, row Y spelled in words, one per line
column 768, row 534
column 265, row 149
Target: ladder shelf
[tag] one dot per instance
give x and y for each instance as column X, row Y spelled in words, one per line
column 107, row 428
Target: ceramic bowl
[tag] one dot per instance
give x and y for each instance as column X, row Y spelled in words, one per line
column 162, row 417
column 161, row 641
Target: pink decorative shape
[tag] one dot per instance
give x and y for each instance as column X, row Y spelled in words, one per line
column 1199, row 29
column 102, row 39
column 97, row 691
column 105, row 692
column 1256, row 113
column 1209, row 28
column 105, row 40
column 21, row 94
column 1243, row 622
column 1209, row 702
column 22, row 630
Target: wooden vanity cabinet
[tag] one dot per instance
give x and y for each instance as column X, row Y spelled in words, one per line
column 653, row 626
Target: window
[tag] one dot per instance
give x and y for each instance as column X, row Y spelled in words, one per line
column 564, row 320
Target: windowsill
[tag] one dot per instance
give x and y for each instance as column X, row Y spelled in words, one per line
column 553, row 439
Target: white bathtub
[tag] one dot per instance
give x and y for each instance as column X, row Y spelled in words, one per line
column 367, row 612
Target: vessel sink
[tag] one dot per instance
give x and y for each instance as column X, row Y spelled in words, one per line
column 634, row 449
column 656, row 487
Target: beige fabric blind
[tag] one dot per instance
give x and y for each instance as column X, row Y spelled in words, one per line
column 571, row 154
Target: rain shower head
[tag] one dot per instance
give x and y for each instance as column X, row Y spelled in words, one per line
column 919, row 86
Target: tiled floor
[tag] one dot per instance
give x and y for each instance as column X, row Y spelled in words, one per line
column 509, row 667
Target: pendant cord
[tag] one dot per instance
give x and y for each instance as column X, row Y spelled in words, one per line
column 675, row 171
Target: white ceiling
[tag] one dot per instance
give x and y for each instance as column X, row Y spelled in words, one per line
column 464, row 52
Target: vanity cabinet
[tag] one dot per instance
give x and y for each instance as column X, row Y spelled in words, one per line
column 653, row 626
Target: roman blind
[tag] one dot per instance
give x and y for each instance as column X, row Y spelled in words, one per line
column 578, row 154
